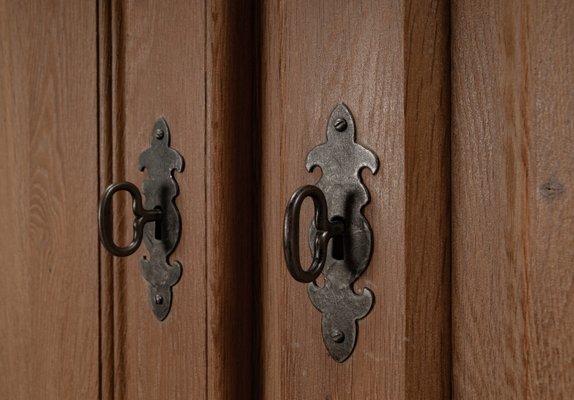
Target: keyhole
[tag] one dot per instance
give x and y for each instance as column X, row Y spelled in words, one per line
column 338, row 243
column 158, row 230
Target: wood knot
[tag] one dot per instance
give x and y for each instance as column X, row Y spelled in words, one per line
column 551, row 189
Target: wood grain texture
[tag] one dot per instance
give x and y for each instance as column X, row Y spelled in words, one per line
column 158, row 69
column 513, row 247
column 387, row 61
column 232, row 207
column 48, row 163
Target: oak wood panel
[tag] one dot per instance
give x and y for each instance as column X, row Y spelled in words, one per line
column 157, row 56
column 388, row 62
column 513, row 247
column 48, row 163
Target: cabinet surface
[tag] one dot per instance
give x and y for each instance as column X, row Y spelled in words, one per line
column 468, row 106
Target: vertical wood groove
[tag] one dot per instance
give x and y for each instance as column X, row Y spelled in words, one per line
column 257, row 368
column 231, row 198
column 105, row 318
column 205, row 185
column 427, row 162
column 111, row 168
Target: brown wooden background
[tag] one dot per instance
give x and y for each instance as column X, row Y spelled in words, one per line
column 469, row 107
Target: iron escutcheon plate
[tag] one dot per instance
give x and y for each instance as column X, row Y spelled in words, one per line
column 160, row 239
column 341, row 159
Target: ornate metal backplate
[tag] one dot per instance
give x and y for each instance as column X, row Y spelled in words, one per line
column 160, row 239
column 341, row 160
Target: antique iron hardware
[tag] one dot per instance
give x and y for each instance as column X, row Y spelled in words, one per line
column 339, row 235
column 161, row 237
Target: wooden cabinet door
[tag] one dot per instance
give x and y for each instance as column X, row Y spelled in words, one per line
column 388, row 62
column 192, row 63
column 82, row 85
column 151, row 64
column 246, row 88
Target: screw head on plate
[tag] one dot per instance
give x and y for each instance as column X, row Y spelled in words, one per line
column 158, row 299
column 340, row 124
column 159, row 134
column 337, row 336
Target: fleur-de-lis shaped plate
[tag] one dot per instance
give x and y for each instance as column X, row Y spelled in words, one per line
column 160, row 190
column 341, row 159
